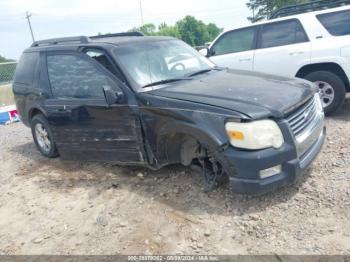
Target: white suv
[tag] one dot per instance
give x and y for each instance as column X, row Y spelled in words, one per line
column 314, row 46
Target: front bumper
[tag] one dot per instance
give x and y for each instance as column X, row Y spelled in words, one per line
column 243, row 167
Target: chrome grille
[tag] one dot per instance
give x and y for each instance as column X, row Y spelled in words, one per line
column 300, row 119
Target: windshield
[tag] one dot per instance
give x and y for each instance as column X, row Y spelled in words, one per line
column 158, row 61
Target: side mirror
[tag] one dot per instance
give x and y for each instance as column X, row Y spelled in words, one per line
column 204, row 52
column 111, row 96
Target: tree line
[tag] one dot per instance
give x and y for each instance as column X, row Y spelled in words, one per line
column 3, row 59
column 192, row 31
column 196, row 33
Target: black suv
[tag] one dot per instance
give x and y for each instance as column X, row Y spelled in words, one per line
column 154, row 101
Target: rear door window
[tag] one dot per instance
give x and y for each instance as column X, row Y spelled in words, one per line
column 26, row 68
column 282, row 33
column 74, row 77
column 337, row 23
column 235, row 41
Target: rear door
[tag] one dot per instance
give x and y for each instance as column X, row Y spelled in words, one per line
column 283, row 48
column 84, row 125
column 235, row 49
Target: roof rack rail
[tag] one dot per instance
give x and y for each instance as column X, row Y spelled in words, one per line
column 308, row 7
column 118, row 35
column 56, row 41
column 81, row 39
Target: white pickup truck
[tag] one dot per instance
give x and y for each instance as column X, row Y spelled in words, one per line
column 312, row 45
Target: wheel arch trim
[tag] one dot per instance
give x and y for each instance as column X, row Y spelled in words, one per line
column 332, row 67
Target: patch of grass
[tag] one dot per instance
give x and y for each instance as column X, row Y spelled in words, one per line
column 6, row 95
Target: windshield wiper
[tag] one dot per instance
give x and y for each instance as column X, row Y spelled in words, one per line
column 203, row 71
column 166, row 81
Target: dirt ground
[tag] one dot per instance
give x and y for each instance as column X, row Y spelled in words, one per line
column 56, row 207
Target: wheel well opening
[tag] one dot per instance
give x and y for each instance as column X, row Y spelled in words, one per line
column 179, row 148
column 33, row 113
column 189, row 151
column 330, row 67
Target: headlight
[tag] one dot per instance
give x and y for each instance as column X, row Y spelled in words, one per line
column 255, row 135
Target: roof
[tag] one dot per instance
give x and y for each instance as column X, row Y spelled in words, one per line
column 297, row 16
column 316, row 12
column 316, row 5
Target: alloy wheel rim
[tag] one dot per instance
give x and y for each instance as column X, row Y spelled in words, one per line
column 326, row 92
column 42, row 136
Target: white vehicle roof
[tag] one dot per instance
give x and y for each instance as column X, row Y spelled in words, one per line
column 298, row 16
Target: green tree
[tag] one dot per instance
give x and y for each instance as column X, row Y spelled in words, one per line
column 213, row 31
column 148, row 29
column 188, row 29
column 3, row 59
column 165, row 30
column 263, row 9
column 192, row 31
column 195, row 32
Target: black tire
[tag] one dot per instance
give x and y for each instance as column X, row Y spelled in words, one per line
column 336, row 83
column 48, row 151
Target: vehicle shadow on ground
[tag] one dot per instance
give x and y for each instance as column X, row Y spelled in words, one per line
column 175, row 186
column 343, row 113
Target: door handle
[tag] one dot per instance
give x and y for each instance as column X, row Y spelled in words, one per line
column 65, row 109
column 296, row 53
column 245, row 59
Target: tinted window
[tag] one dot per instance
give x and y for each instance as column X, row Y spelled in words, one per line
column 26, row 68
column 74, row 77
column 235, row 41
column 337, row 23
column 282, row 33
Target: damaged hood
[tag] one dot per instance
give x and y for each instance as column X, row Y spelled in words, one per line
column 253, row 94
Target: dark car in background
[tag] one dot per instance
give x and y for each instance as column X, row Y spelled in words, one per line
column 155, row 101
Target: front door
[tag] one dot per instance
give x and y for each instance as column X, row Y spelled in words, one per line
column 84, row 125
column 235, row 49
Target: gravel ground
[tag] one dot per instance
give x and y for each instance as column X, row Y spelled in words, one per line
column 57, row 207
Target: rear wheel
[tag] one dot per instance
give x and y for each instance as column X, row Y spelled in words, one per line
column 42, row 136
column 331, row 89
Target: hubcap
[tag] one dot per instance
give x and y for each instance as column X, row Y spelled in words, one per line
column 326, row 92
column 42, row 136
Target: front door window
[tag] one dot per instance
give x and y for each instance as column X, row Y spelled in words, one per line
column 235, row 41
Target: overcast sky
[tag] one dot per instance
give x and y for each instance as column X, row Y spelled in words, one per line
column 57, row 18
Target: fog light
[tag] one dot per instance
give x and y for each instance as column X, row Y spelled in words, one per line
column 270, row 171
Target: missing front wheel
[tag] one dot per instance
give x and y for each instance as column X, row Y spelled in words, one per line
column 211, row 171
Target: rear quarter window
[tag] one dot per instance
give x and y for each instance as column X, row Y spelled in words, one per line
column 336, row 23
column 26, row 68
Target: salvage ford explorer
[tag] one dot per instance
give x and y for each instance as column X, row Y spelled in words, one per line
column 154, row 101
